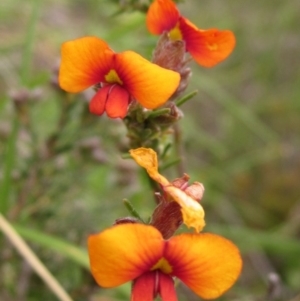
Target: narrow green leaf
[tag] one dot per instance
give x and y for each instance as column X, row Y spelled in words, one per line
column 158, row 112
column 185, row 98
column 132, row 210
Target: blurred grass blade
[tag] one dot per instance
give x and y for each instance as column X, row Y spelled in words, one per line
column 254, row 158
column 250, row 239
column 242, row 163
column 237, row 109
column 55, row 244
column 32, row 259
column 8, row 164
column 133, row 22
column 29, row 42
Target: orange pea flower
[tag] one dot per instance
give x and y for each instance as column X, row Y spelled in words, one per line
column 208, row 264
column 89, row 61
column 192, row 211
column 207, row 47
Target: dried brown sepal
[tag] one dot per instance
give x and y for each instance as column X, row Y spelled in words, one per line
column 167, row 217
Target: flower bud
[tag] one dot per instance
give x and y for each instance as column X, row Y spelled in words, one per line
column 171, row 55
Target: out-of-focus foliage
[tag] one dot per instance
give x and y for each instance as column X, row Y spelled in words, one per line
column 61, row 171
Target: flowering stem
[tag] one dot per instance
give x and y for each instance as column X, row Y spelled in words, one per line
column 179, row 150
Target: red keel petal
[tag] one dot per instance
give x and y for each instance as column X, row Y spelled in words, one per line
column 143, row 287
column 166, row 287
column 98, row 102
column 117, row 102
column 113, row 99
column 147, row 286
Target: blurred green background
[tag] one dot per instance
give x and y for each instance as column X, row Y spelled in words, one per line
column 62, row 176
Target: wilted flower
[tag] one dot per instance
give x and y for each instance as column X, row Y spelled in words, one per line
column 192, row 211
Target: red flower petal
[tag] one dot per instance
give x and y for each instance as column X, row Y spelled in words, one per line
column 208, row 264
column 84, row 62
column 147, row 286
column 162, row 16
column 117, row 102
column 207, row 47
column 166, row 287
column 143, row 287
column 98, row 102
column 113, row 99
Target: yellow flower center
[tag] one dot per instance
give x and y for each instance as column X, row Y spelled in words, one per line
column 113, row 77
column 162, row 265
column 212, row 47
column 175, row 33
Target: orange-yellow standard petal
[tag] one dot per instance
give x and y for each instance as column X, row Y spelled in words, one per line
column 150, row 84
column 124, row 252
column 84, row 62
column 207, row 47
column 162, row 16
column 208, row 264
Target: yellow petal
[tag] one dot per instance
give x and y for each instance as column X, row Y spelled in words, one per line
column 147, row 158
column 208, row 264
column 150, row 84
column 192, row 211
column 124, row 252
